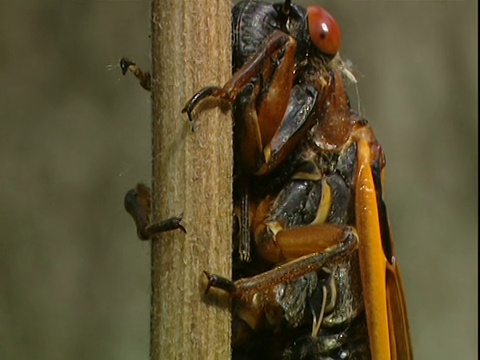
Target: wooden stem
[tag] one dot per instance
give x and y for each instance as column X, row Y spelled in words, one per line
column 191, row 175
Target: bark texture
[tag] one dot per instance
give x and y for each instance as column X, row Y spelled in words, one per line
column 191, row 175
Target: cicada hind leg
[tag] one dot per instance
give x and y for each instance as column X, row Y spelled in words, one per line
column 137, row 203
column 272, row 309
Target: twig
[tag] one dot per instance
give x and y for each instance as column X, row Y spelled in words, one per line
column 191, row 175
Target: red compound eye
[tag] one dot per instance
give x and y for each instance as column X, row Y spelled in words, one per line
column 324, row 30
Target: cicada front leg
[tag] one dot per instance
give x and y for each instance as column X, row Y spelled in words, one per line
column 137, row 203
column 271, row 113
column 144, row 78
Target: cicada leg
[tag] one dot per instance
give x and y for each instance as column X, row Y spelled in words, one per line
column 275, row 55
column 303, row 265
column 307, row 216
column 144, row 78
column 137, row 204
column 256, row 296
column 271, row 114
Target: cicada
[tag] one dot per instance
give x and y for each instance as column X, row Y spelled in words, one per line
column 308, row 189
column 315, row 272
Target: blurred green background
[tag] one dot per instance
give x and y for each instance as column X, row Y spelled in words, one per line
column 75, row 136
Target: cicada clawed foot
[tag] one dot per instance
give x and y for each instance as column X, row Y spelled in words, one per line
column 172, row 223
column 210, row 92
column 207, row 92
column 219, row 282
column 144, row 78
column 137, row 204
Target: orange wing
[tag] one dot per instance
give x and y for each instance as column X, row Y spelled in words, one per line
column 385, row 308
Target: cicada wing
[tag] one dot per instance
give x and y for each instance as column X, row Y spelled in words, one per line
column 382, row 288
column 398, row 328
column 397, row 316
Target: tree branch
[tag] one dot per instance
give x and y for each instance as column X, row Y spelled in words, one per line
column 191, row 175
